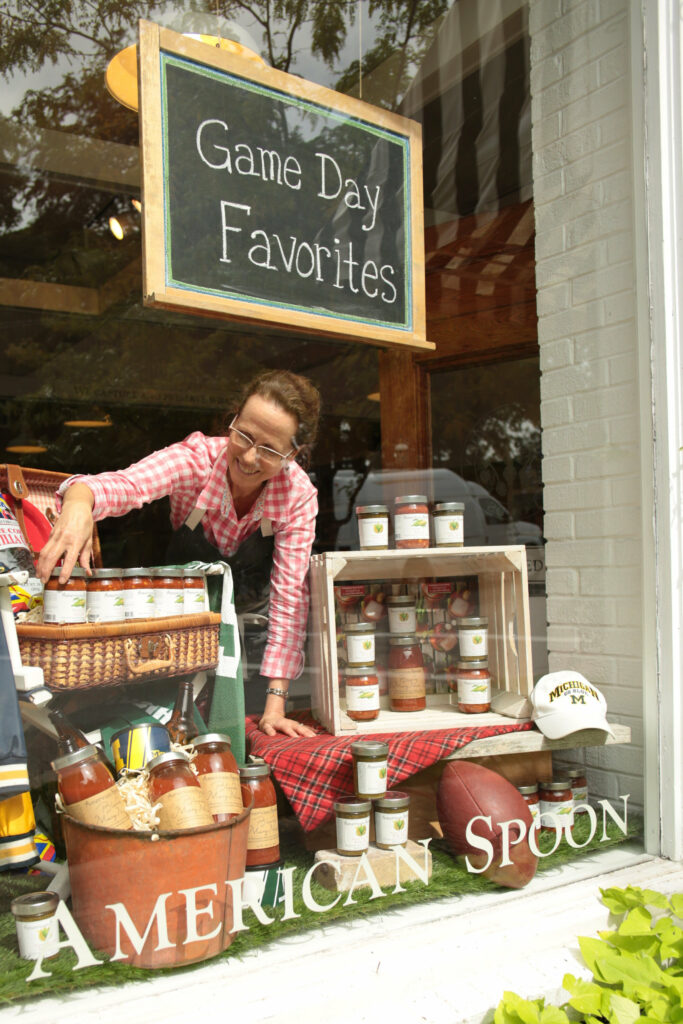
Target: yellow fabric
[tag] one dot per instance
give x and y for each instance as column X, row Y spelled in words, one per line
column 16, row 816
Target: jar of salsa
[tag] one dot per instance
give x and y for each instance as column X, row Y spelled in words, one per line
column 104, row 596
column 411, row 521
column 370, row 767
column 35, row 918
column 360, row 642
column 88, row 790
column 263, row 842
column 473, row 684
column 579, row 784
column 169, row 592
column 362, row 693
column 473, row 638
column 555, row 797
column 65, row 602
column 352, row 817
column 138, row 594
column 173, row 784
column 218, row 775
column 529, row 791
column 401, row 609
column 407, row 684
column 449, row 517
column 193, row 592
column 373, row 527
column 391, row 820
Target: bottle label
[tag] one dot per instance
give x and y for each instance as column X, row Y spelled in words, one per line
column 402, row 620
column 353, row 833
column 105, row 606
column 580, row 796
column 64, row 606
column 139, row 604
column 38, row 938
column 406, row 682
column 411, row 526
column 474, row 691
column 473, row 643
column 391, row 827
column 372, row 778
column 362, row 698
column 193, row 601
column 562, row 809
column 104, row 808
column 263, row 828
column 373, row 533
column 360, row 650
column 448, row 529
column 222, row 791
column 184, row 807
column 169, row 602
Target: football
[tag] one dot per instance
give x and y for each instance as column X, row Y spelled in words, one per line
column 468, row 791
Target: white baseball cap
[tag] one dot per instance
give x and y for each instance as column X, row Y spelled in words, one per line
column 565, row 702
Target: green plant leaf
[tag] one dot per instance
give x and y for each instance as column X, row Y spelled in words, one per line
column 676, row 902
column 637, row 922
column 513, row 1009
column 621, row 900
column 629, row 969
column 591, row 950
column 622, row 1010
column 633, row 943
column 586, row 996
column 553, row 1015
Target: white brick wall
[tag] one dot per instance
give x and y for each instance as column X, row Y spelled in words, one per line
column 581, row 118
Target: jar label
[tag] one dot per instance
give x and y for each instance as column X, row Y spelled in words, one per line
column 391, row 827
column 473, row 643
column 222, row 792
column 168, row 602
column 474, row 691
column 139, row 604
column 535, row 811
column 411, row 526
column 263, row 828
column 563, row 809
column 104, row 808
column 185, row 807
column 372, row 778
column 353, row 833
column 406, row 682
column 362, row 698
column 448, row 529
column 580, row 796
column 360, row 650
column 193, row 601
column 402, row 620
column 373, row 533
column 38, row 938
column 105, row 606
column 64, row 606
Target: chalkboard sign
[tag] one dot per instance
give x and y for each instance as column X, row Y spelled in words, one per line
column 269, row 198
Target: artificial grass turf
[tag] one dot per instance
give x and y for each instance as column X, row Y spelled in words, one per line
column 449, row 878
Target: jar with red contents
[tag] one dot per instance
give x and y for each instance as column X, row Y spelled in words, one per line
column 88, row 791
column 138, row 594
column 579, row 784
column 173, row 784
column 193, row 592
column 362, row 693
column 407, row 685
column 65, row 602
column 529, row 791
column 169, row 592
column 104, row 596
column 411, row 521
column 263, row 842
column 555, row 798
column 472, row 684
column 218, row 775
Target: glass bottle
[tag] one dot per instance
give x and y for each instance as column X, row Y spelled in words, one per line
column 173, row 784
column 181, row 727
column 88, row 790
column 70, row 738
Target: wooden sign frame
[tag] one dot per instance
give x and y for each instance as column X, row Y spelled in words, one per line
column 160, row 289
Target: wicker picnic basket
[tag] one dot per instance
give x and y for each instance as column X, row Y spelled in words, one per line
column 81, row 657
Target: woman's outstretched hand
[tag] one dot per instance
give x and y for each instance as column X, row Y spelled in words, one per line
column 71, row 537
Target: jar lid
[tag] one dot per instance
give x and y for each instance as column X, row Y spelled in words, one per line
column 193, row 572
column 360, row 627
column 106, row 574
column 475, row 663
column 411, row 499
column 35, row 904
column 576, row 773
column 162, row 570
column 393, row 800
column 370, row 748
column 528, row 788
column 402, row 639
column 476, row 623
column 352, row 803
column 76, row 572
column 82, row 754
column 138, row 571
column 450, row 506
column 167, row 758
column 254, row 771
column 555, row 785
column 370, row 510
column 211, row 737
column 359, row 670
column 400, row 600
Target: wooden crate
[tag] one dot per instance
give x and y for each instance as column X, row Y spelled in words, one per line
column 503, row 599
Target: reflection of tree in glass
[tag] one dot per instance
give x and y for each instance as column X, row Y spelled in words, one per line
column 504, row 450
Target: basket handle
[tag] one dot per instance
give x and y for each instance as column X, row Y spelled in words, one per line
column 134, row 648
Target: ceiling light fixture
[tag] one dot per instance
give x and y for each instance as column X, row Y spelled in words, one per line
column 96, row 422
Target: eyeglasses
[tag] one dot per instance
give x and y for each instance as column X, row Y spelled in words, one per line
column 266, row 455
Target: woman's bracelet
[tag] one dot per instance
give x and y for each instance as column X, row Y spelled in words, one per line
column 276, row 691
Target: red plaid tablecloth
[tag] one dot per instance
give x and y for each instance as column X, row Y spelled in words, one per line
column 315, row 772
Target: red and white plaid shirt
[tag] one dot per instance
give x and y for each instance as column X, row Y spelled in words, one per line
column 193, row 474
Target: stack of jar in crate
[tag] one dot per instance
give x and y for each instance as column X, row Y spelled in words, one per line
column 118, row 595
column 413, row 526
column 389, row 808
